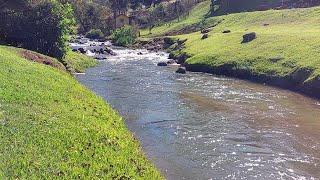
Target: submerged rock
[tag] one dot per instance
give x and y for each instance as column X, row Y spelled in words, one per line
column 162, row 64
column 100, row 56
column 249, row 37
column 181, row 70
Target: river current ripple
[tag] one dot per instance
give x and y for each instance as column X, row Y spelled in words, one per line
column 200, row 126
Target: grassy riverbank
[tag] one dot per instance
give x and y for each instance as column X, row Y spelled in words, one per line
column 53, row 127
column 286, row 47
column 78, row 62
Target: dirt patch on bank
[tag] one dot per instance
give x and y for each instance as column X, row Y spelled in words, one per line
column 42, row 59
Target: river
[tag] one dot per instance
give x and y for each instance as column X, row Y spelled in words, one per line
column 201, row 126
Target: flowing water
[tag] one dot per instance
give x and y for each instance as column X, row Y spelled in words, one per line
column 200, row 126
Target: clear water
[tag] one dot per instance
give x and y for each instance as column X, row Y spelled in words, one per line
column 200, row 126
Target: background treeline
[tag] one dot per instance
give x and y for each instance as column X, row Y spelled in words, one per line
column 100, row 14
column 45, row 25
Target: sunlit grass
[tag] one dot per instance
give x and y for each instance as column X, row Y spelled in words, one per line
column 79, row 62
column 51, row 127
column 291, row 36
column 195, row 16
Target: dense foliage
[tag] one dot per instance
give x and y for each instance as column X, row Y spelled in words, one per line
column 44, row 28
column 93, row 15
column 124, row 36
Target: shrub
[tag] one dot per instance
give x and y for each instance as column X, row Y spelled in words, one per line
column 44, row 28
column 95, row 34
column 124, row 36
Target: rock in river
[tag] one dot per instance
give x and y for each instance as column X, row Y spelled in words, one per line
column 111, row 52
column 162, row 64
column 171, row 61
column 181, row 70
column 82, row 50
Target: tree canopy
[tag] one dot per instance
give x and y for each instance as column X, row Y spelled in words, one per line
column 44, row 28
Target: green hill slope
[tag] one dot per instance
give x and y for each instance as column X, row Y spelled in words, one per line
column 196, row 16
column 51, row 127
column 286, row 47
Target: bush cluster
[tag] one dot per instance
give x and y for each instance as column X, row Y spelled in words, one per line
column 124, row 36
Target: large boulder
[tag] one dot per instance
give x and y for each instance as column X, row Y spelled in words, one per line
column 179, row 58
column 181, row 70
column 249, row 37
column 182, row 58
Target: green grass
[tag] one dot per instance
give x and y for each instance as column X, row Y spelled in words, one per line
column 78, row 62
column 292, row 37
column 51, row 127
column 196, row 16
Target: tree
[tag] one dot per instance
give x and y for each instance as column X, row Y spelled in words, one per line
column 179, row 8
column 119, row 5
column 44, row 28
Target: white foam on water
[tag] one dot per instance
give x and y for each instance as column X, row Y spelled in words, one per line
column 138, row 54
